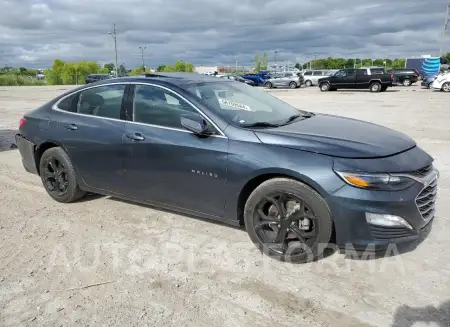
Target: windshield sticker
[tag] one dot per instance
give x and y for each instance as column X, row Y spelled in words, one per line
column 234, row 104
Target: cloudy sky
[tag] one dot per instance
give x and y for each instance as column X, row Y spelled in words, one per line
column 211, row 32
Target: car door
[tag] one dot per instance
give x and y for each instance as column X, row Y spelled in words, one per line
column 90, row 128
column 287, row 78
column 169, row 164
column 348, row 80
column 315, row 76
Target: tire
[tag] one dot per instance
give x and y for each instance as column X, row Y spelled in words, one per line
column 308, row 83
column 406, row 82
column 268, row 85
column 375, row 87
column 446, row 87
column 292, row 85
column 264, row 234
column 324, row 87
column 66, row 179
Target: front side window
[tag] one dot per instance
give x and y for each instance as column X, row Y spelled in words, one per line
column 103, row 101
column 157, row 106
column 241, row 104
column 341, row 73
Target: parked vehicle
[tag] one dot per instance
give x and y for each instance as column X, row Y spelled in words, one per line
column 92, row 78
column 288, row 79
column 442, row 82
column 374, row 79
column 258, row 78
column 311, row 77
column 220, row 150
column 404, row 76
column 239, row 79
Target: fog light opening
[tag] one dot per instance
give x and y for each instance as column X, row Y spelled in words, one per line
column 386, row 220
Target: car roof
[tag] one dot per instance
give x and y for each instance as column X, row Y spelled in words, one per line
column 167, row 78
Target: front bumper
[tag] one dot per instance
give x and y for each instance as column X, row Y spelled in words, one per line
column 27, row 150
column 416, row 205
column 436, row 85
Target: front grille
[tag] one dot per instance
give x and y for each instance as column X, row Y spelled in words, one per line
column 426, row 200
column 387, row 233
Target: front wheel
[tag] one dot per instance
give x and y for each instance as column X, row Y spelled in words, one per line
column 268, row 85
column 324, row 87
column 58, row 176
column 288, row 221
column 446, row 87
column 308, row 83
column 292, row 85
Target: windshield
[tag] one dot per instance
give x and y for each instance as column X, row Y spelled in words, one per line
column 243, row 105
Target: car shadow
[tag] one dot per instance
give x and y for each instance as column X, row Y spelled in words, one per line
column 392, row 250
column 364, row 91
column 7, row 141
column 406, row 316
column 241, row 228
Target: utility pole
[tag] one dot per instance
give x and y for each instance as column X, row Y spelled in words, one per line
column 275, row 59
column 315, row 58
column 142, row 53
column 236, row 67
column 444, row 30
column 114, row 36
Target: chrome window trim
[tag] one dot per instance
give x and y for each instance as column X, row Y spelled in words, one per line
column 56, row 108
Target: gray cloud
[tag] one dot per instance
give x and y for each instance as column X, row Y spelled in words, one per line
column 34, row 32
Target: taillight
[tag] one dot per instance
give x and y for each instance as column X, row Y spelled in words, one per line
column 392, row 76
column 22, row 122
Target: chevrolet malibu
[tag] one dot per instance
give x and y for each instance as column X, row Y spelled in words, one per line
column 225, row 151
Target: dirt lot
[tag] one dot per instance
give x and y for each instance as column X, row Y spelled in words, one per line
column 104, row 262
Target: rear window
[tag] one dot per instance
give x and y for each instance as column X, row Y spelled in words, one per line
column 377, row 71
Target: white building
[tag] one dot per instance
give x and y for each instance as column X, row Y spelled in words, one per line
column 206, row 69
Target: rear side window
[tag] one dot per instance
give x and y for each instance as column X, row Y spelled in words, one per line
column 104, row 101
column 288, row 75
column 317, row 73
column 377, row 71
column 308, row 74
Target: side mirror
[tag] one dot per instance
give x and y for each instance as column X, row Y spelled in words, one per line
column 194, row 123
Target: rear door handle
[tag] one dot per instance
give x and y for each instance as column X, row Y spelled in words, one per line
column 72, row 127
column 135, row 136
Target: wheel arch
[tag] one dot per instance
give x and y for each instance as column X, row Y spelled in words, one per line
column 252, row 183
column 44, row 146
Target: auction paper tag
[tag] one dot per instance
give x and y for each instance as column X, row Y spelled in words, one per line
column 234, row 104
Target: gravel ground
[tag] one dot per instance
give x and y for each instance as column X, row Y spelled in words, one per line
column 105, row 262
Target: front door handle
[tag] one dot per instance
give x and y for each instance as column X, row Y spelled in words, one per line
column 72, row 127
column 135, row 136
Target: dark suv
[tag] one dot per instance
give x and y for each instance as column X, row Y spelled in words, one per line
column 92, row 78
column 404, row 76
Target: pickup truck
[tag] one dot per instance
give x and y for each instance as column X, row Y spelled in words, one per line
column 258, row 78
column 374, row 79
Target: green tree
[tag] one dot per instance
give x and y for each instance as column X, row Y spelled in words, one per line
column 298, row 66
column 257, row 64
column 109, row 67
column 160, row 68
column 122, row 71
column 265, row 61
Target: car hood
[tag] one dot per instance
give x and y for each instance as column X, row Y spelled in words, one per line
column 337, row 136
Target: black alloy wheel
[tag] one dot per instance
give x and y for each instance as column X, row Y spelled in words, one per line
column 55, row 176
column 58, row 176
column 282, row 219
column 288, row 220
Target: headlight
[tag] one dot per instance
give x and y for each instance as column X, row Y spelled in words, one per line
column 382, row 182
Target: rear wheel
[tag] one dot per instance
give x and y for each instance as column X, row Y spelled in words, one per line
column 268, row 85
column 58, row 176
column 293, row 85
column 324, row 87
column 446, row 87
column 407, row 82
column 308, row 83
column 375, row 87
column 288, row 221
